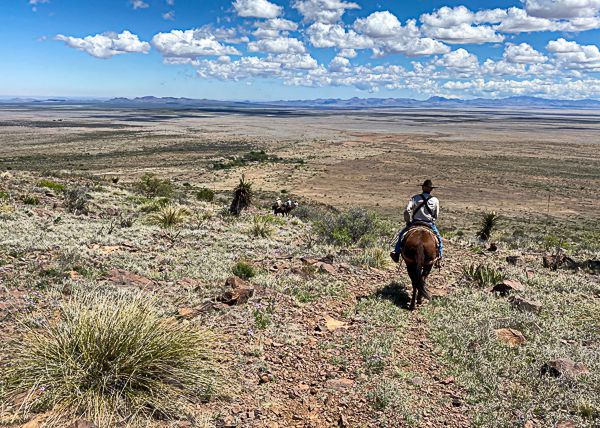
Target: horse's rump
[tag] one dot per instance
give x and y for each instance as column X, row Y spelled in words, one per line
column 417, row 237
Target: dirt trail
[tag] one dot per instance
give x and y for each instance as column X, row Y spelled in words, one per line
column 311, row 373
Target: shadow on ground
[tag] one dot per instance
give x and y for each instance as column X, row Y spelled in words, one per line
column 396, row 293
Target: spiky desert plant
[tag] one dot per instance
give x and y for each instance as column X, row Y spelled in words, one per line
column 261, row 227
column 488, row 222
column 109, row 359
column 483, row 275
column 169, row 216
column 242, row 197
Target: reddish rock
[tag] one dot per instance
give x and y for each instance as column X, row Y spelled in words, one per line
column 327, row 268
column 126, row 278
column 507, row 286
column 187, row 313
column 239, row 291
column 82, row 424
column 309, row 261
column 563, row 367
column 566, row 424
column 510, row 336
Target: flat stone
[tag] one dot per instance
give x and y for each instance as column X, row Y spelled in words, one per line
column 327, row 268
column 239, row 291
column 341, row 383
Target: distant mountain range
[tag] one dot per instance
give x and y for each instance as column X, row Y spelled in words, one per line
column 327, row 103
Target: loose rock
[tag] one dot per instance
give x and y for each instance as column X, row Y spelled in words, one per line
column 510, row 336
column 239, row 293
column 563, row 367
column 507, row 286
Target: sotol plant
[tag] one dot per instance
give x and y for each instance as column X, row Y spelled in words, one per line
column 483, row 275
column 489, row 222
column 242, row 197
column 109, row 359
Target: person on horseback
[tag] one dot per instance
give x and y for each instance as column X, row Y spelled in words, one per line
column 422, row 208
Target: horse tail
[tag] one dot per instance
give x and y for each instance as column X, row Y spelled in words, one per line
column 420, row 267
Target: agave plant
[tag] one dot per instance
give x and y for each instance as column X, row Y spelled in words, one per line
column 242, row 197
column 488, row 223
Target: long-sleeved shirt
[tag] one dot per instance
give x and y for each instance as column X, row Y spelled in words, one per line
column 422, row 214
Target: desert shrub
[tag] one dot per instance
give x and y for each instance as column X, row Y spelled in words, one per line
column 489, row 221
column 356, row 226
column 552, row 242
column 261, row 227
column 49, row 184
column 169, row 216
column 154, row 205
column 108, row 359
column 263, row 315
column 151, row 186
column 243, row 196
column 206, row 195
column 30, row 200
column 76, row 200
column 4, row 196
column 483, row 275
column 243, row 270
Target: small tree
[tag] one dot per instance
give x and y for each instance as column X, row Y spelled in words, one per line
column 242, row 197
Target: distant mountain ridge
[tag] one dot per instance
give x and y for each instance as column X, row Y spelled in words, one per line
column 323, row 103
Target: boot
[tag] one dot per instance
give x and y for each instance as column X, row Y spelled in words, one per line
column 395, row 256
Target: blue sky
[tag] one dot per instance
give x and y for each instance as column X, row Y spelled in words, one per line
column 265, row 50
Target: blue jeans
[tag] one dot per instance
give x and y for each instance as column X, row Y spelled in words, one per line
column 398, row 249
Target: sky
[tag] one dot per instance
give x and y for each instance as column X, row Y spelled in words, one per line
column 300, row 49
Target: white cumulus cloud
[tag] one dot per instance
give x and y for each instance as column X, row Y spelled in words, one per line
column 257, row 9
column 190, row 44
column 107, row 45
column 325, row 11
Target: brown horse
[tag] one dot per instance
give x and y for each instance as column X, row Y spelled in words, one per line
column 419, row 252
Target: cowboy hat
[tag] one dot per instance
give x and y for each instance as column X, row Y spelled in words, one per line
column 428, row 183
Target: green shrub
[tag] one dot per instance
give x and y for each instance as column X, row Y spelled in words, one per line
column 153, row 205
column 206, row 195
column 109, row 359
column 151, row 186
column 4, row 196
column 49, row 184
column 243, row 270
column 356, row 226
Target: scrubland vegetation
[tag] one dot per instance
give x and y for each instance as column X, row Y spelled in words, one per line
column 116, row 311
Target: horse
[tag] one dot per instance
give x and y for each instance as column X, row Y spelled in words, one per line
column 285, row 208
column 419, row 252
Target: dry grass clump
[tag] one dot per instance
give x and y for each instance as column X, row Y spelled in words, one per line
column 373, row 257
column 111, row 359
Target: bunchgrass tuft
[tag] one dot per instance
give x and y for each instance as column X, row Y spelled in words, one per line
column 111, row 359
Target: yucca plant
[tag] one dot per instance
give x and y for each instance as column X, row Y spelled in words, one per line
column 488, row 223
column 261, row 227
column 242, row 197
column 169, row 216
column 110, row 359
column 483, row 275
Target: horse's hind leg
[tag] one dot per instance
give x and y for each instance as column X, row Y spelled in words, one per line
column 412, row 273
column 422, row 289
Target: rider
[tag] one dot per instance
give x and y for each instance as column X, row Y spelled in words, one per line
column 422, row 208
